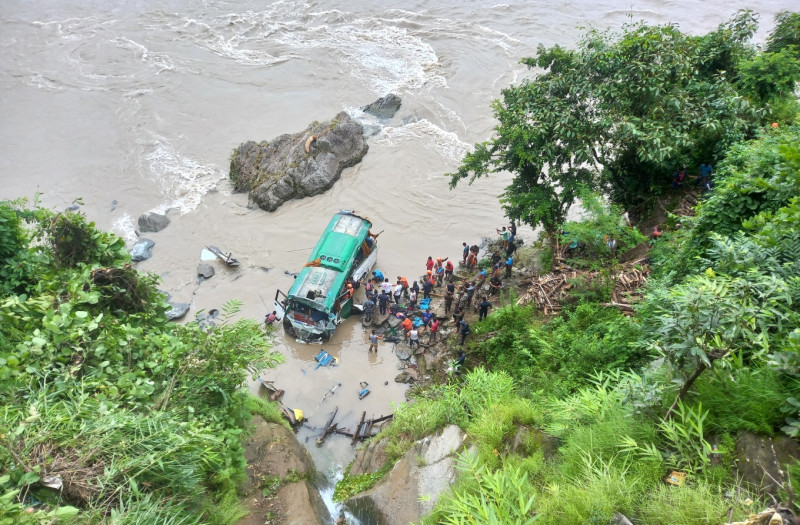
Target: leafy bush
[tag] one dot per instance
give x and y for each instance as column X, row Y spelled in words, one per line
column 744, row 399
column 559, row 356
column 488, row 497
column 757, row 177
column 601, row 224
column 132, row 413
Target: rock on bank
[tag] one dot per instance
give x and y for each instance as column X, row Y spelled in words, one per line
column 415, row 483
column 280, row 474
column 293, row 166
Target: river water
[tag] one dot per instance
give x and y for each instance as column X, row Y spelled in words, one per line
column 136, row 106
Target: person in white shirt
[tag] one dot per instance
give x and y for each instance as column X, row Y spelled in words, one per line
column 413, row 337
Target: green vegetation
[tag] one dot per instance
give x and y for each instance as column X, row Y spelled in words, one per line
column 583, row 414
column 109, row 410
column 623, row 111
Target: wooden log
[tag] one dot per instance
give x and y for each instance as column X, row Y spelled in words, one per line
column 383, row 418
column 328, row 428
column 358, row 428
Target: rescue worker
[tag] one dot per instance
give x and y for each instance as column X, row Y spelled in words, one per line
column 448, row 271
column 483, row 308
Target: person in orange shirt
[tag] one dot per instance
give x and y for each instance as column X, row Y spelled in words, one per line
column 407, row 324
column 402, row 280
column 348, row 293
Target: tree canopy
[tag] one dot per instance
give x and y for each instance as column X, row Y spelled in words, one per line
column 621, row 113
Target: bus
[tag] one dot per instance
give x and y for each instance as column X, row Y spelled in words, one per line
column 318, row 300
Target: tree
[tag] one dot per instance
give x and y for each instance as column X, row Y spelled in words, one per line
column 620, row 112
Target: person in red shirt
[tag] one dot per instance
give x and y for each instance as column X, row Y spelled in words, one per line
column 429, row 264
column 434, row 330
column 448, row 271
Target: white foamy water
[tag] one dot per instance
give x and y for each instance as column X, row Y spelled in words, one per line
column 183, row 180
column 425, row 134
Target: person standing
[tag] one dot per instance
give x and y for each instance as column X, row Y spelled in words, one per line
column 412, row 299
column 449, row 292
column 383, row 301
column 434, row 331
column 429, row 264
column 458, row 315
column 373, row 342
column 511, row 247
column 398, row 292
column 483, row 308
column 404, row 281
column 407, row 325
column 368, row 307
column 465, row 253
column 504, row 236
column 509, row 265
column 470, row 291
column 413, row 337
column 464, row 330
column 386, row 286
column 427, row 288
column 448, row 271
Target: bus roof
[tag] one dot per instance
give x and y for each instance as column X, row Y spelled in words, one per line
column 336, row 250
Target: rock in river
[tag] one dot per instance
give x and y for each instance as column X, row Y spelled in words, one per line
column 205, row 271
column 153, row 222
column 177, row 310
column 293, row 166
column 142, row 250
column 384, row 107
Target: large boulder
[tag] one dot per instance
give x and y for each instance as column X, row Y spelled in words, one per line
column 293, row 166
column 414, row 485
column 276, row 459
column 153, row 222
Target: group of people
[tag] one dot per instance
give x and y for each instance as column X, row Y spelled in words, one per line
column 702, row 179
column 381, row 292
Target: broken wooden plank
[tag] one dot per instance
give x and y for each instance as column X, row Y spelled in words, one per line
column 329, row 427
column 358, row 428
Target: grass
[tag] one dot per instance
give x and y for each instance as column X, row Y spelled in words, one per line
column 267, row 410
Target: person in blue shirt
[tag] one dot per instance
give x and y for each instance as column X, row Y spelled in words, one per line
column 704, row 178
column 427, row 317
column 509, row 265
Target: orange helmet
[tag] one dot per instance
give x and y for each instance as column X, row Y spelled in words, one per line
column 430, row 272
column 439, row 259
column 349, row 285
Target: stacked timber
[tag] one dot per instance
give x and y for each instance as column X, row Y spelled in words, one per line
column 548, row 292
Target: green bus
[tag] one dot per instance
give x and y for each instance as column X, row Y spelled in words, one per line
column 318, row 300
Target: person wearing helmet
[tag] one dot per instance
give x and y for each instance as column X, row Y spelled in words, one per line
column 348, row 293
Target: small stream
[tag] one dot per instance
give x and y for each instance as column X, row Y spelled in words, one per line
column 319, row 391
